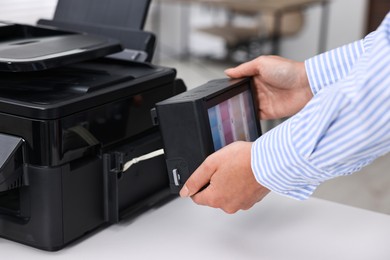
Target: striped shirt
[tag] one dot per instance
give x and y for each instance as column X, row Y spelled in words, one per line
column 343, row 128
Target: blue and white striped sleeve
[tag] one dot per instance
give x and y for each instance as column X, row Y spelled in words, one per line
column 329, row 67
column 343, row 128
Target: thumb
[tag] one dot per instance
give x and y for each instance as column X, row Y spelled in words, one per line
column 199, row 179
column 246, row 69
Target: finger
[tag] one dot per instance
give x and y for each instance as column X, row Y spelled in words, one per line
column 199, row 178
column 209, row 197
column 205, row 197
column 244, row 70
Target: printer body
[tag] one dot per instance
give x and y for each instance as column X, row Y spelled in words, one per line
column 65, row 133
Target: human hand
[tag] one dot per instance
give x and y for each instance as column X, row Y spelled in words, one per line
column 282, row 86
column 231, row 183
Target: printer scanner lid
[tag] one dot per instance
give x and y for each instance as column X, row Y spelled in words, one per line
column 26, row 48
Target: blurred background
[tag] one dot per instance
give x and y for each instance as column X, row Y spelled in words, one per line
column 201, row 38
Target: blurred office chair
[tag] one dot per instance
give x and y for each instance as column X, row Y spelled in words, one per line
column 272, row 19
column 260, row 38
column 119, row 19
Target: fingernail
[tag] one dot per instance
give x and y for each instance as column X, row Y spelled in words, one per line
column 184, row 192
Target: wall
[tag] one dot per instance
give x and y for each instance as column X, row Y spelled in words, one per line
column 347, row 23
column 26, row 11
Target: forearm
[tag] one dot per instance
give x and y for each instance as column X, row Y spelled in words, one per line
column 343, row 128
column 328, row 68
column 329, row 138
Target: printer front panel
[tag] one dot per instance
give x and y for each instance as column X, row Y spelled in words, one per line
column 61, row 197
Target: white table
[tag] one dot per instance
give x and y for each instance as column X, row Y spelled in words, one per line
column 277, row 228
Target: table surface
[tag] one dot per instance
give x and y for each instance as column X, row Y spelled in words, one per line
column 276, row 228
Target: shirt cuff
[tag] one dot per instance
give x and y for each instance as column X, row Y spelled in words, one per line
column 278, row 166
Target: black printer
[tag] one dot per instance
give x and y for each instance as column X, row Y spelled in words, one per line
column 89, row 127
column 70, row 118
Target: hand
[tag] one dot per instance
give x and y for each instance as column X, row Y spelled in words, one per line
column 231, row 183
column 282, row 86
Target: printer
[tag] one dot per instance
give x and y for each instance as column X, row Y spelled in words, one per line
column 91, row 132
column 70, row 118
